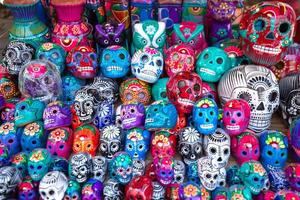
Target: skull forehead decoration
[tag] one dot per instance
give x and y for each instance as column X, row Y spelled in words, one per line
column 258, row 86
column 164, row 169
column 137, row 143
column 16, row 55
column 39, row 161
column 80, row 167
column 10, row 177
column 40, row 80
column 267, row 29
column 163, row 144
column 147, row 64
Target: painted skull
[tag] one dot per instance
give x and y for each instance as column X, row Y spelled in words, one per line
column 86, row 139
column 253, row 176
column 20, row 161
column 8, row 112
column 8, row 88
column 28, row 111
column 111, row 141
column 149, row 33
column 82, row 62
column 190, row 145
column 92, row 190
column 120, row 168
column 158, row 191
column 10, row 137
column 239, row 192
column 217, row 146
column 159, row 90
column 236, row 116
column 134, row 90
column 137, row 143
column 39, row 161
column 99, row 168
column 16, row 55
column 112, row 190
column 161, row 115
column 245, row 147
column 274, row 149
column 27, row 190
column 80, row 167
column 60, row 142
column 210, row 176
column 56, row 115
column 179, row 58
column 53, row 53
column 109, row 34
column 33, row 136
column 278, row 179
column 267, row 29
column 164, row 169
column 40, row 80
column 59, row 164
column 140, row 188
column 115, row 62
column 179, row 172
column 258, row 86
column 70, row 85
column 132, row 115
column 292, row 172
column 205, row 116
column 163, row 144
column 105, row 116
column 10, row 178
column 73, row 191
column 212, row 63
column 183, row 90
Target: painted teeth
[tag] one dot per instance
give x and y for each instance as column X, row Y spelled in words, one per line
column 149, row 73
column 84, row 118
column 49, row 121
column 233, row 128
column 186, row 101
column 149, row 120
column 114, row 68
column 208, row 71
column 268, row 50
column 81, row 69
column 206, row 126
column 128, row 121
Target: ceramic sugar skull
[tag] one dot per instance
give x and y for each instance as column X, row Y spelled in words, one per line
column 149, row 33
column 217, row 146
column 20, row 161
column 70, row 85
column 179, row 58
column 86, row 139
column 164, row 169
column 120, row 168
column 205, row 115
column 99, row 168
column 53, row 53
column 33, row 136
column 40, row 80
column 8, row 88
column 28, row 111
column 253, row 176
column 183, row 90
column 56, row 114
column 245, row 147
column 73, row 191
column 212, row 63
column 16, row 55
column 236, row 116
column 111, row 141
column 137, row 143
column 278, row 180
column 8, row 112
column 109, row 34
column 147, row 64
column 10, row 178
column 27, row 190
column 39, row 161
column 159, row 90
column 160, row 115
column 139, row 188
column 163, row 144
column 112, row 190
column 267, row 29
column 80, row 167
column 292, row 172
column 190, row 144
column 132, row 115
column 59, row 164
column 82, row 62
column 239, row 191
column 115, row 62
column 258, row 86
column 92, row 189
column 60, row 142
column 105, row 116
column 10, row 137
column 191, row 34
column 274, row 149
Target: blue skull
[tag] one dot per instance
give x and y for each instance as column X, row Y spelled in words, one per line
column 115, row 62
column 120, row 168
column 10, row 137
column 161, row 114
column 137, row 143
column 33, row 136
column 106, row 115
column 205, row 116
column 232, row 176
column 59, row 164
column 192, row 173
column 70, row 85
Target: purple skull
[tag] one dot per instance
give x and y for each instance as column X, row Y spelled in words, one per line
column 132, row 115
column 292, row 172
column 109, row 34
column 56, row 115
column 92, row 190
column 164, row 169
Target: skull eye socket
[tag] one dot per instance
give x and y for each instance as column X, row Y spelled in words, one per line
column 219, row 61
column 93, row 56
column 213, row 150
column 130, row 147
column 159, row 63
column 175, row 57
column 181, row 84
column 163, row 94
column 197, row 87
column 42, row 57
column 144, row 41
column 26, row 56
column 239, row 114
column 259, row 25
column 106, row 57
column 208, row 176
column 145, row 58
column 273, row 96
column 122, row 56
column 226, row 151
column 106, row 41
column 222, row 183
column 282, row 154
column 284, row 28
column 51, row 192
column 212, row 113
column 189, row 60
column 132, row 110
column 117, row 40
column 245, row 96
column 47, row 80
column 192, row 42
column 215, row 176
column 179, row 42
column 142, row 95
column 11, row 54
column 128, row 96
column 43, row 193
column 78, row 56
column 227, row 114
column 55, row 55
column 206, row 56
column 200, row 114
column 244, row 153
column 270, row 153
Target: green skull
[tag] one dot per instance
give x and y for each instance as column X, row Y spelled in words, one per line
column 38, row 163
column 159, row 90
column 73, row 191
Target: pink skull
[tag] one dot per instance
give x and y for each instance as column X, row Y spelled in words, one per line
column 236, row 116
column 245, row 147
column 60, row 141
column 164, row 169
column 163, row 144
column 132, row 115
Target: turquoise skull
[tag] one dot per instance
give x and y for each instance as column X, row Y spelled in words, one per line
column 120, row 168
column 212, row 63
column 159, row 90
column 73, row 191
column 39, row 161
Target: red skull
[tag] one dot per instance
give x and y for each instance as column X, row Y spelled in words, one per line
column 163, row 144
column 267, row 29
column 140, row 188
column 150, row 171
column 183, row 90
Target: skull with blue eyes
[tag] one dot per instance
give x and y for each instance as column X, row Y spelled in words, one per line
column 70, row 85
column 106, row 115
column 33, row 136
column 9, row 136
column 137, row 143
column 115, row 62
column 53, row 53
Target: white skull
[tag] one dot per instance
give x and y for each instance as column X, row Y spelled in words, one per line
column 179, row 171
column 53, row 186
column 99, row 168
column 210, row 177
column 258, row 86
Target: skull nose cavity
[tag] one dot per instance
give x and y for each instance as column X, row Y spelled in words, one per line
column 233, row 121
column 207, row 120
column 219, row 159
column 113, row 61
column 211, row 62
column 276, row 162
column 270, row 36
column 261, row 106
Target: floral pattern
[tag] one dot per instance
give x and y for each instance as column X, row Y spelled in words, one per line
column 258, row 168
column 191, row 135
column 134, row 136
column 150, row 29
column 31, row 129
column 17, row 159
column 191, row 191
column 57, row 135
column 237, row 197
column 161, row 140
column 222, row 32
column 253, row 37
column 6, row 128
column 37, row 156
column 275, row 142
column 205, row 103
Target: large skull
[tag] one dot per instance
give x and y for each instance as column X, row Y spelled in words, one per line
column 164, row 169
column 267, row 29
column 39, row 161
column 258, row 86
column 10, row 177
column 110, row 141
column 80, row 167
